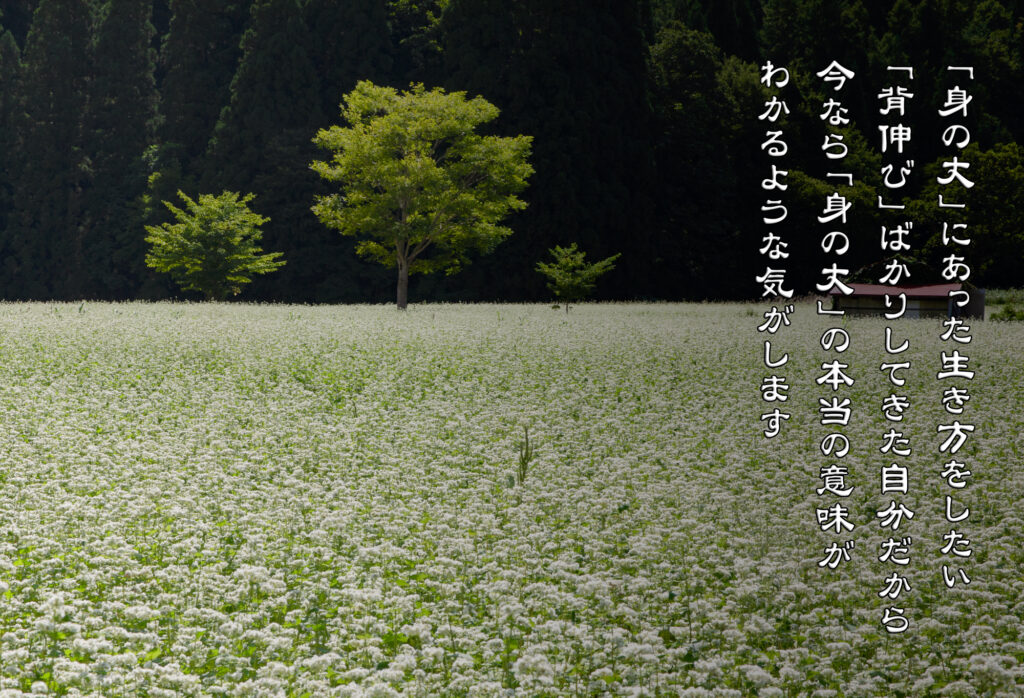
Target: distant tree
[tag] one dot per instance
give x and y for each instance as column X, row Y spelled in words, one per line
column 414, row 33
column 10, row 62
column 420, row 189
column 995, row 208
column 571, row 277
column 17, row 17
column 118, row 127
column 273, row 106
column 993, row 214
column 698, row 207
column 572, row 74
column 299, row 57
column 349, row 42
column 46, row 241
column 212, row 248
column 198, row 58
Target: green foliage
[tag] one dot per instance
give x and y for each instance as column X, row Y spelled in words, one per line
column 526, row 454
column 119, row 127
column 994, row 213
column 212, row 248
column 572, row 278
column 199, row 53
column 1008, row 313
column 420, row 188
column 46, row 245
column 259, row 129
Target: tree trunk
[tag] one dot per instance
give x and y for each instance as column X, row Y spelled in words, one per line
column 403, row 285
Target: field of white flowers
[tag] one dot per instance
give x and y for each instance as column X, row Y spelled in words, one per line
column 233, row 500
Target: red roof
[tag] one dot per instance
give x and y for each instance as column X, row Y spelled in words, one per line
column 931, row 291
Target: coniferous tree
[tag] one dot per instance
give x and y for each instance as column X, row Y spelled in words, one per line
column 161, row 21
column 46, row 241
column 349, row 42
column 17, row 17
column 697, row 212
column 576, row 82
column 274, row 99
column 263, row 140
column 10, row 62
column 297, row 61
column 482, row 48
column 415, row 34
column 734, row 24
column 622, row 150
column 119, row 122
column 198, row 59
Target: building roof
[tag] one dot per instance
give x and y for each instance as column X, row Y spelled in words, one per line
column 930, row 291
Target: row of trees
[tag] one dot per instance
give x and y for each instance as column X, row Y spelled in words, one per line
column 642, row 115
column 213, row 95
column 420, row 189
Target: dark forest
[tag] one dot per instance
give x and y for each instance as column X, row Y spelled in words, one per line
column 643, row 115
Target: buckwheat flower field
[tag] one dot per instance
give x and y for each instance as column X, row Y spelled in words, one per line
column 240, row 500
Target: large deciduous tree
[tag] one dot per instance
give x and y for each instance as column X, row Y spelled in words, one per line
column 420, row 188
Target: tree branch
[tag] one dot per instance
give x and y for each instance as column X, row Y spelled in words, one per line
column 419, row 248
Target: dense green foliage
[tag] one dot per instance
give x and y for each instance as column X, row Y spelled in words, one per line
column 212, row 248
column 420, row 188
column 1008, row 313
column 643, row 115
column 570, row 276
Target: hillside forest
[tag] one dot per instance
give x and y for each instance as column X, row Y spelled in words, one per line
column 643, row 114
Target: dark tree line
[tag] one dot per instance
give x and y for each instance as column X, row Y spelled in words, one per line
column 643, row 114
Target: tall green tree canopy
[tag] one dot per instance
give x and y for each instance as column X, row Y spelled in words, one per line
column 199, row 57
column 119, row 127
column 46, row 242
column 420, row 188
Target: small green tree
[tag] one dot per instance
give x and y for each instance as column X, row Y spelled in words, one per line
column 571, row 277
column 420, row 189
column 212, row 248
